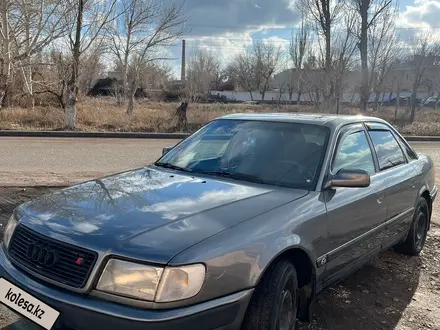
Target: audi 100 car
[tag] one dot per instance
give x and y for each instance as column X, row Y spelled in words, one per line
column 239, row 226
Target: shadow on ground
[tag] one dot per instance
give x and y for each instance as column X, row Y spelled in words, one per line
column 392, row 292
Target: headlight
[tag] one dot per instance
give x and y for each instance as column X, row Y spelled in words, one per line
column 151, row 283
column 10, row 227
column 129, row 279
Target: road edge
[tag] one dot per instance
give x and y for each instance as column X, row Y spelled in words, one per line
column 142, row 135
column 106, row 135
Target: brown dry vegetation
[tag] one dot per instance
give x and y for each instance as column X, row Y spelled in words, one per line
column 102, row 114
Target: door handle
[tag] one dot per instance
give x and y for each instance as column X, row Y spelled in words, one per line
column 380, row 197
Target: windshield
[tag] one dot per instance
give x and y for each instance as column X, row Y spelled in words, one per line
column 278, row 153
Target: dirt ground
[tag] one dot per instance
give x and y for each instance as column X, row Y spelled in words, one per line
column 393, row 292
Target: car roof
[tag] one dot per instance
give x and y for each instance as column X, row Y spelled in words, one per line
column 328, row 120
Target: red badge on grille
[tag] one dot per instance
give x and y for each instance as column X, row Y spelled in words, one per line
column 79, row 261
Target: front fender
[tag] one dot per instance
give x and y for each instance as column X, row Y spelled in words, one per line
column 237, row 258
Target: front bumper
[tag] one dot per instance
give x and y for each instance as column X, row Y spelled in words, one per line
column 81, row 312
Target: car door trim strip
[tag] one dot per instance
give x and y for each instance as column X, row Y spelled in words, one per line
column 333, row 254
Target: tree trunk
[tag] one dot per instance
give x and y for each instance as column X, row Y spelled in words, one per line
column 70, row 111
column 122, row 92
column 182, row 121
column 72, row 88
column 298, row 99
column 328, row 88
column 118, row 93
column 397, row 103
column 131, row 94
column 413, row 99
column 5, row 62
column 4, row 80
column 130, row 105
column 413, row 106
column 363, row 48
column 27, row 71
column 28, row 83
column 252, row 95
column 376, row 101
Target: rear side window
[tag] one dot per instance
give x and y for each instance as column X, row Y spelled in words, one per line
column 409, row 152
column 354, row 153
column 387, row 149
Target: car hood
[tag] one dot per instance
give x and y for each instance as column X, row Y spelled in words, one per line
column 150, row 214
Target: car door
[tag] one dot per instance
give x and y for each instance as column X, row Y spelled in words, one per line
column 355, row 216
column 401, row 192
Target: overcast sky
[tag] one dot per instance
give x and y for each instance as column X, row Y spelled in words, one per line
column 227, row 27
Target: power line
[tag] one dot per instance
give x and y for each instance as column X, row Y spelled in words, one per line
column 291, row 27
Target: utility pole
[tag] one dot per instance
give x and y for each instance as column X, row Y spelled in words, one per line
column 182, row 75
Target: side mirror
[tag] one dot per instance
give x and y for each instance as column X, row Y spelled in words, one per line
column 349, row 179
column 166, row 150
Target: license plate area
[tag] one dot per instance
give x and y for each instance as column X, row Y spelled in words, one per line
column 26, row 305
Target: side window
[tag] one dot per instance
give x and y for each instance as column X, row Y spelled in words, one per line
column 354, row 153
column 409, row 151
column 387, row 149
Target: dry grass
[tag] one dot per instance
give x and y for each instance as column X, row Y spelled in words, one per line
column 102, row 114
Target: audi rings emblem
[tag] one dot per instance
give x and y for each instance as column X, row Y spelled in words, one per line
column 42, row 255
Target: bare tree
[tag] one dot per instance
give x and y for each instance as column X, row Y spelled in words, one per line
column 53, row 81
column 128, row 33
column 90, row 18
column 325, row 14
column 313, row 78
column 203, row 71
column 423, row 56
column 369, row 12
column 395, row 78
column 291, row 84
column 27, row 28
column 5, row 61
column 243, row 69
column 157, row 75
column 343, row 50
column 382, row 52
column 299, row 45
column 268, row 59
column 432, row 80
column 139, row 35
column 91, row 67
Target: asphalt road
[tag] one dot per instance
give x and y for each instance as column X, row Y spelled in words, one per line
column 47, row 161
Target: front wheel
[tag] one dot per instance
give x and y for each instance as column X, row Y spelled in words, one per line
column 418, row 232
column 274, row 304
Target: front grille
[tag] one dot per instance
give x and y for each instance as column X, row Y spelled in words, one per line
column 57, row 261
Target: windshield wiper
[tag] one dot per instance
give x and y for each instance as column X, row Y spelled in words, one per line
column 173, row 167
column 235, row 176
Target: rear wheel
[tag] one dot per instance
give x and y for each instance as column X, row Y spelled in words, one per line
column 274, row 304
column 418, row 232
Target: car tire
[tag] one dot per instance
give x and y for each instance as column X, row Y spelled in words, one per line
column 274, row 304
column 418, row 232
